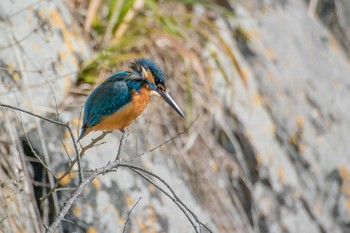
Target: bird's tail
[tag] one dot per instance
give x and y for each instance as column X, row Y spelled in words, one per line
column 82, row 134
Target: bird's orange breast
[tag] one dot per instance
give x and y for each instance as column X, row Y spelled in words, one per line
column 127, row 114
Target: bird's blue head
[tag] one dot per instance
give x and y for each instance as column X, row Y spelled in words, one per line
column 149, row 71
column 151, row 74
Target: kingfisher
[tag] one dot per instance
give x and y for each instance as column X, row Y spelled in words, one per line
column 121, row 98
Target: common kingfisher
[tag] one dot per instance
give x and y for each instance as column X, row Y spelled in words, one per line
column 121, row 98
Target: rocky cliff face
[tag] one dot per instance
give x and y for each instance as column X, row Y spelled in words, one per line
column 40, row 51
column 301, row 73
column 268, row 155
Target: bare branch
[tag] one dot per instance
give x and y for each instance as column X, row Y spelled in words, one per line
column 82, row 185
column 67, row 220
column 3, row 219
column 168, row 195
column 121, row 149
column 69, row 169
column 110, row 167
column 14, row 14
column 65, row 189
column 20, row 40
column 66, row 125
column 32, row 149
column 129, row 213
column 33, row 114
column 93, row 142
column 174, row 197
column 81, row 176
column 177, row 135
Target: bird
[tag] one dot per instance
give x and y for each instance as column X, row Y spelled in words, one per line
column 121, row 98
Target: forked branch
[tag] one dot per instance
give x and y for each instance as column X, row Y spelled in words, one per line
column 103, row 170
column 111, row 167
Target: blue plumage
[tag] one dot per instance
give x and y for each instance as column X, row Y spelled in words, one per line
column 107, row 98
column 134, row 86
column 154, row 68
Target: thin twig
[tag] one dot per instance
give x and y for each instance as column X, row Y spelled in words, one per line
column 28, row 87
column 10, row 69
column 175, row 198
column 33, row 114
column 177, row 135
column 129, row 213
column 121, row 149
column 69, row 169
column 3, row 219
column 93, row 142
column 19, row 119
column 109, row 168
column 81, row 175
column 50, row 177
column 58, row 117
column 74, row 196
column 166, row 193
column 65, row 189
column 40, row 184
column 66, row 125
column 20, row 40
column 67, row 220
column 30, row 6
column 84, row 183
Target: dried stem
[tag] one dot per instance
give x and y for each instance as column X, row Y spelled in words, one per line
column 129, row 213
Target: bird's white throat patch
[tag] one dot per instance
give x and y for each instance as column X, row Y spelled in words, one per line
column 154, row 93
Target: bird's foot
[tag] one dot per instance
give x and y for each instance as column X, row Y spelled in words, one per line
column 125, row 129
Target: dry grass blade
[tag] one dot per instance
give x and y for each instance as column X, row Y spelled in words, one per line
column 92, row 11
column 116, row 9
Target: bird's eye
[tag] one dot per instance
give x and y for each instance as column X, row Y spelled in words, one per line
column 161, row 86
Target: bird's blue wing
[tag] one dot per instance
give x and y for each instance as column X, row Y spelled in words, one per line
column 107, row 98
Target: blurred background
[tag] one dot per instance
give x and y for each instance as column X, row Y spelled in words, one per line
column 264, row 85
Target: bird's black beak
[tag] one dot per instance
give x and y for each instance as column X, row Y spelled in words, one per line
column 170, row 101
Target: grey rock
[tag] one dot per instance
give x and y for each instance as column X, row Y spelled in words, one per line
column 272, row 156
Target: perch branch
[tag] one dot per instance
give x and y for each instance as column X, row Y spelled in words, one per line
column 69, row 169
column 86, row 181
column 110, row 167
